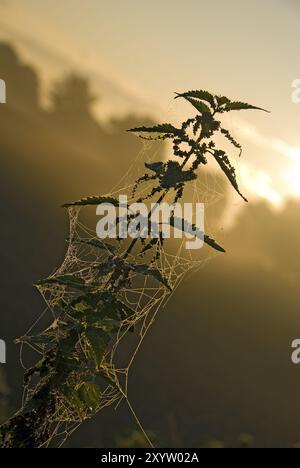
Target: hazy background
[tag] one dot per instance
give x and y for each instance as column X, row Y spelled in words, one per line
column 216, row 364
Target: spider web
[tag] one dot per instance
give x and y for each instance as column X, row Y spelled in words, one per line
column 145, row 296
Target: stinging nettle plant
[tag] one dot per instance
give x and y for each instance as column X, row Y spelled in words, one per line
column 77, row 375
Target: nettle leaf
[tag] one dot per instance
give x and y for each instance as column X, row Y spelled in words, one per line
column 230, row 138
column 72, row 398
column 124, row 311
column 98, row 341
column 167, row 129
column 156, row 167
column 199, row 94
column 99, row 244
column 94, row 307
column 212, row 243
column 148, row 271
column 189, row 228
column 90, row 201
column 209, row 125
column 221, row 100
column 110, row 310
column 199, row 105
column 32, row 405
column 151, row 244
column 71, row 281
column 229, row 106
column 174, row 175
column 39, row 339
column 105, row 267
column 88, row 315
column 86, row 302
column 113, row 308
column 89, row 394
column 226, row 166
column 109, row 377
column 67, row 346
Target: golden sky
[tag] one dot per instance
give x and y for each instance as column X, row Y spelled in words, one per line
column 137, row 53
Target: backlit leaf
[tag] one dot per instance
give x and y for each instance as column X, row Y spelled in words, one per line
column 226, row 166
column 99, row 244
column 199, row 94
column 98, row 340
column 156, row 274
column 90, row 201
column 90, row 394
column 189, row 228
column 71, row 281
column 199, row 105
column 241, row 106
column 167, row 129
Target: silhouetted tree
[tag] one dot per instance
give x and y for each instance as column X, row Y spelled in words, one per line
column 72, row 96
column 21, row 81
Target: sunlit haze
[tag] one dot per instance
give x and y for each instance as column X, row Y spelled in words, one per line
column 138, row 53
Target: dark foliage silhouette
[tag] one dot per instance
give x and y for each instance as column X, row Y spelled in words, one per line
column 62, row 389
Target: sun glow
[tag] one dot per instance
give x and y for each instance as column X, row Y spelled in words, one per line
column 293, row 173
column 280, row 183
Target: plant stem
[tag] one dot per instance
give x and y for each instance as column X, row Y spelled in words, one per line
column 161, row 198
